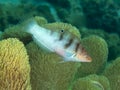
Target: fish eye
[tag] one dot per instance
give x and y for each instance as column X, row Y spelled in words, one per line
column 62, row 31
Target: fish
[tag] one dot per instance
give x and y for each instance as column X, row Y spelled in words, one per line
column 61, row 42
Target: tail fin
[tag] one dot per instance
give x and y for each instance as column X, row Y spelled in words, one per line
column 33, row 28
column 29, row 25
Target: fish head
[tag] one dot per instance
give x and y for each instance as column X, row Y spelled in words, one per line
column 77, row 57
column 71, row 49
column 82, row 56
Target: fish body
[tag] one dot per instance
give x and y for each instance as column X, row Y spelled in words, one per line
column 41, row 36
column 59, row 41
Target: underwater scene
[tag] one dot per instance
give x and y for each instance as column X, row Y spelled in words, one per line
column 59, row 44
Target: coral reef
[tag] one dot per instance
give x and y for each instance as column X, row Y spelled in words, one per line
column 96, row 20
column 98, row 50
column 95, row 13
column 102, row 14
column 76, row 16
column 47, row 73
column 92, row 82
column 40, row 20
column 71, row 13
column 112, row 39
column 12, row 14
column 112, row 72
column 88, row 32
column 14, row 66
column 18, row 31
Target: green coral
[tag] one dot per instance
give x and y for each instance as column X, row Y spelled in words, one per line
column 12, row 14
column 40, row 20
column 98, row 50
column 92, row 82
column 112, row 39
column 112, row 72
column 100, row 17
column 47, row 73
column 14, row 66
column 18, row 31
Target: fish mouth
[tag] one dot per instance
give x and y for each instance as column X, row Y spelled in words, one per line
column 84, row 58
column 87, row 59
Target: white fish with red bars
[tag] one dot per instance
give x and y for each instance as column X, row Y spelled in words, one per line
column 59, row 41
